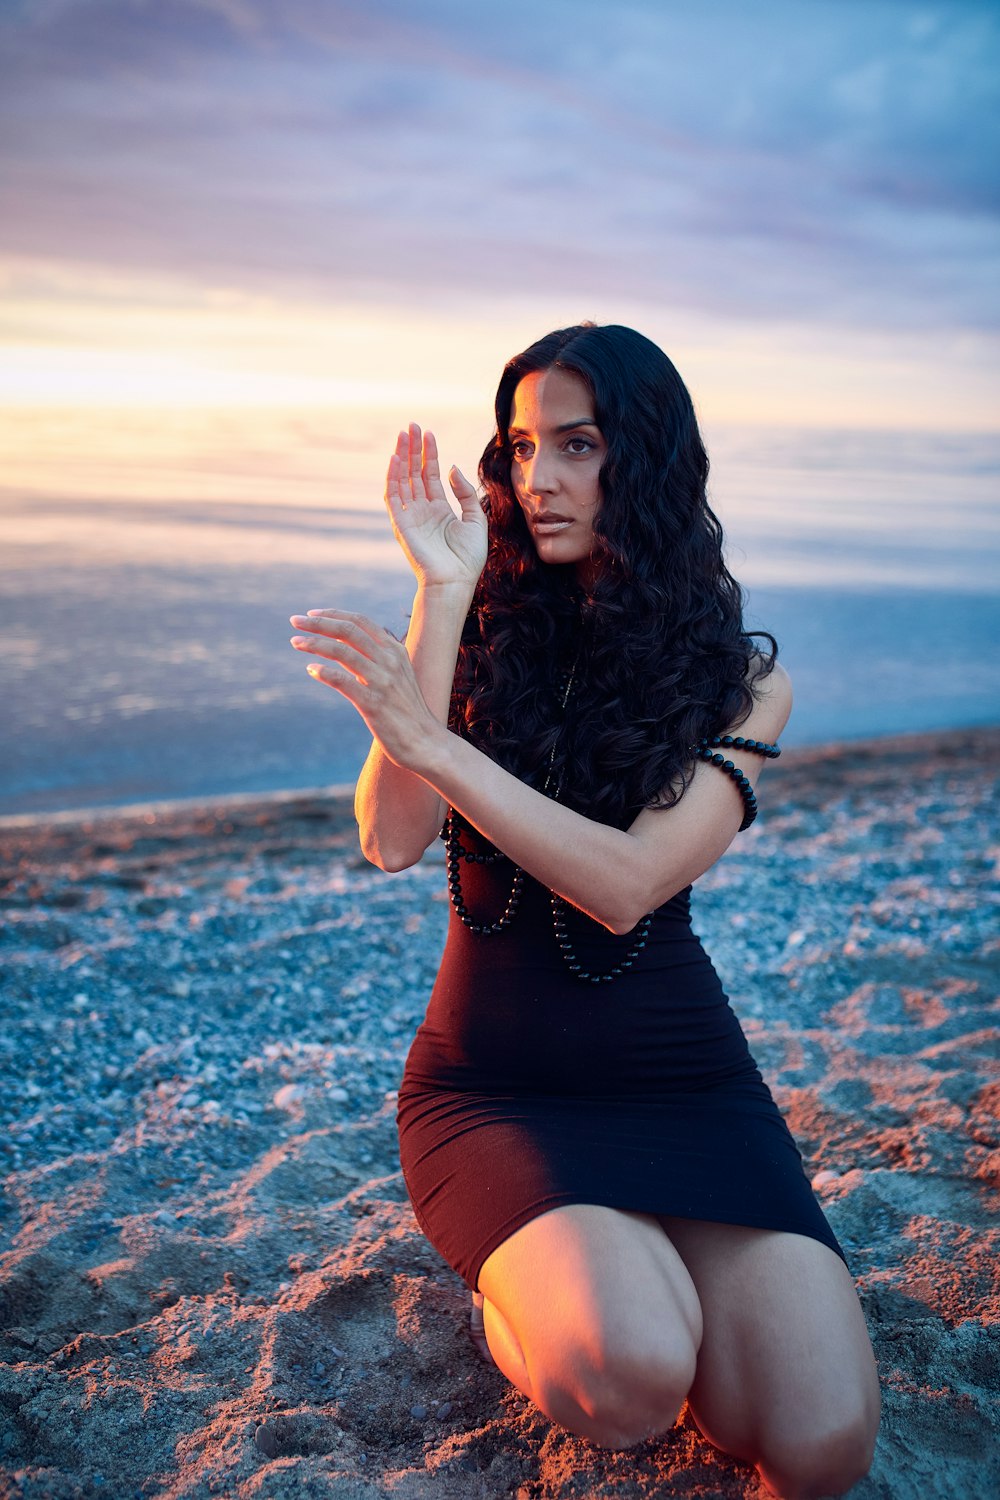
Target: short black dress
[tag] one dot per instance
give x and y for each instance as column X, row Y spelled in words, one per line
column 526, row 1088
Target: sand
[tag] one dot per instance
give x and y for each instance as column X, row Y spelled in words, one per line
column 211, row 1282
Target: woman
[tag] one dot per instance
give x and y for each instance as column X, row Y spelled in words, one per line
column 584, row 1134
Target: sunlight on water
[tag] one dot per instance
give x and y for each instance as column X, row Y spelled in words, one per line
column 148, row 563
column 40, row 533
column 242, row 455
column 881, row 508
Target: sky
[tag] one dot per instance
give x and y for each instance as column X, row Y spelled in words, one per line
column 278, row 204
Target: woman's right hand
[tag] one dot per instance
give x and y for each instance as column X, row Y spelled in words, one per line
column 441, row 548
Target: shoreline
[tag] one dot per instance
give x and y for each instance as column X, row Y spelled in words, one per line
column 910, row 742
column 211, row 1280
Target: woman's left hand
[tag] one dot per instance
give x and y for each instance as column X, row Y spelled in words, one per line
column 371, row 669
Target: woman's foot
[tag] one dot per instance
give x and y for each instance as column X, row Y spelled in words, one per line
column 477, row 1329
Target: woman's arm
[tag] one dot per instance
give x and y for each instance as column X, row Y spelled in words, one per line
column 398, row 813
column 614, row 876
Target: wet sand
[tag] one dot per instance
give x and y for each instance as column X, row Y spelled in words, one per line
column 211, row 1282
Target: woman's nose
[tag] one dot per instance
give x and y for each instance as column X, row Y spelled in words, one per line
column 539, row 473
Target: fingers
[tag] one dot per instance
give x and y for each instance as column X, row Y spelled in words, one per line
column 392, row 476
column 343, row 624
column 341, row 652
column 354, row 689
column 397, row 479
column 430, row 471
column 403, row 481
column 351, row 661
column 405, row 475
column 464, row 492
column 342, row 635
column 337, row 677
column 414, row 471
column 413, row 460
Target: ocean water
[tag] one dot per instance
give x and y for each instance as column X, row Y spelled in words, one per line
column 144, row 637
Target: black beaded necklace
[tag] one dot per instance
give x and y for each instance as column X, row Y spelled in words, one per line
column 455, row 853
column 709, row 749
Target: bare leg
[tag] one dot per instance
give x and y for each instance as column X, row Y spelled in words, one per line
column 786, row 1377
column 591, row 1313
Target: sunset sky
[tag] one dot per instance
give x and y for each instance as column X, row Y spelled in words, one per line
column 279, row 204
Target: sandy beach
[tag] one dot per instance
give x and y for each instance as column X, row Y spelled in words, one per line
column 211, row 1281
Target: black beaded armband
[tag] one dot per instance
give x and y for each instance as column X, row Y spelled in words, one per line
column 707, row 751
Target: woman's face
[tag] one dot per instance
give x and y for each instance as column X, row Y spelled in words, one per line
column 556, row 454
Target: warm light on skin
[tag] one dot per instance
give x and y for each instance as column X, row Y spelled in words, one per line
column 557, row 450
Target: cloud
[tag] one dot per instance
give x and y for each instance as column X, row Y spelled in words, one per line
column 819, row 160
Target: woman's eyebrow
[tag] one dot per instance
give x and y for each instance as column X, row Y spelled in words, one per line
column 563, row 427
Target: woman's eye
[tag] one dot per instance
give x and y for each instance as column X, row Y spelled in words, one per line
column 576, row 447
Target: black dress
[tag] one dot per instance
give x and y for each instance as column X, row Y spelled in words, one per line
column 526, row 1089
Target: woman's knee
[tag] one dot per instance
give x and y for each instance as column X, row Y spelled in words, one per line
column 618, row 1397
column 823, row 1463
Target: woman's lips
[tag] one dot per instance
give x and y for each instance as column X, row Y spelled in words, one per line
column 549, row 525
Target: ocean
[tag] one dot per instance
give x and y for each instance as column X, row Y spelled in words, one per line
column 144, row 629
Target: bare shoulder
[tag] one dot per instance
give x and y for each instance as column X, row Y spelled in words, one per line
column 776, row 687
column 772, row 697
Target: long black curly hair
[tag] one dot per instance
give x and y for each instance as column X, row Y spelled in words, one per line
column 660, row 653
